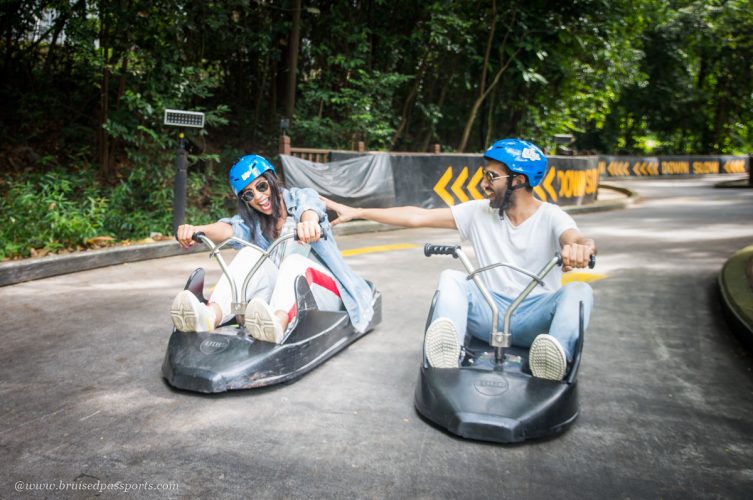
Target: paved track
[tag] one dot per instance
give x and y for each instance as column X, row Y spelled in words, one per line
column 666, row 391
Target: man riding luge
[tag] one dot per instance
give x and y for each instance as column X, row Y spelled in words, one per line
column 513, row 227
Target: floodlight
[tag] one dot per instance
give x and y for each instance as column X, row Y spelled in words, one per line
column 177, row 118
column 563, row 138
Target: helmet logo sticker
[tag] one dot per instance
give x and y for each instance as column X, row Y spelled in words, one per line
column 530, row 154
column 246, row 175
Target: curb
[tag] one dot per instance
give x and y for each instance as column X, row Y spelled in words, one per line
column 18, row 271
column 736, row 287
column 628, row 198
column 735, row 184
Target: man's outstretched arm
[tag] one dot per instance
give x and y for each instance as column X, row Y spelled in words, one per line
column 397, row 216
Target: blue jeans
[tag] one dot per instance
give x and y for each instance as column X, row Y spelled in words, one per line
column 555, row 313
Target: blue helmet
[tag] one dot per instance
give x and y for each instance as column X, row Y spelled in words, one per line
column 246, row 170
column 521, row 157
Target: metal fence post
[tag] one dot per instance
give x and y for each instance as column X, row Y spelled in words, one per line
column 179, row 192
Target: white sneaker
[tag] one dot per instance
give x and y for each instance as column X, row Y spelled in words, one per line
column 190, row 315
column 262, row 323
column 441, row 344
column 547, row 358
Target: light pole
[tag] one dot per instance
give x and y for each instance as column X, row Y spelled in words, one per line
column 181, row 119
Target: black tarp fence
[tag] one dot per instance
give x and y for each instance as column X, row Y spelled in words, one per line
column 429, row 180
column 440, row 180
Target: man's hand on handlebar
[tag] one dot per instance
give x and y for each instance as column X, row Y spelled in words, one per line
column 184, row 234
column 575, row 256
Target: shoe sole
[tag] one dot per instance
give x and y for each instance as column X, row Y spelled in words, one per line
column 441, row 345
column 547, row 358
column 260, row 324
column 183, row 314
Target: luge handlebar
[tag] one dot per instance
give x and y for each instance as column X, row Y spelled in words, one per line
column 591, row 260
column 197, row 236
column 430, row 250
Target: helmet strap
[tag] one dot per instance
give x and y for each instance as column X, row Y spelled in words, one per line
column 507, row 200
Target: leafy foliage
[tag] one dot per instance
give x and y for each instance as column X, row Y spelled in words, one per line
column 49, row 211
column 84, row 85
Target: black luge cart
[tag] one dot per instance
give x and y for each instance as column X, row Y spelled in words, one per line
column 228, row 358
column 493, row 396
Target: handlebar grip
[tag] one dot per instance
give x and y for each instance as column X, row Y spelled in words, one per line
column 197, row 236
column 322, row 235
column 430, row 250
column 591, row 260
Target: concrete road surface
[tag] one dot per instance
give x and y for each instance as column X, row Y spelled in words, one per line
column 666, row 391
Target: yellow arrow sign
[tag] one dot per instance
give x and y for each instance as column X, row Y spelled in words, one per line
column 734, row 167
column 457, row 186
column 546, row 184
column 618, row 169
column 475, row 180
column 440, row 186
column 642, row 168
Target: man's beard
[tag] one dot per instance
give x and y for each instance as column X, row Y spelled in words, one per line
column 502, row 201
column 499, row 198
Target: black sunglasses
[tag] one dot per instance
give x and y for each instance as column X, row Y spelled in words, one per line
column 492, row 176
column 248, row 194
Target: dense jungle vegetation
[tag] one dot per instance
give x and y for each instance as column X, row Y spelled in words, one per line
column 84, row 85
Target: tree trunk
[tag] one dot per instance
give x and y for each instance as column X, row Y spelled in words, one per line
column 103, row 143
column 409, row 100
column 295, row 36
column 430, row 134
column 490, row 118
column 480, row 100
column 483, row 89
column 121, row 90
column 60, row 23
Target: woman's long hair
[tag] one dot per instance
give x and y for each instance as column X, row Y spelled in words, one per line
column 253, row 217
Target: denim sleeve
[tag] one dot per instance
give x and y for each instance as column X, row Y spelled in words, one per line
column 308, row 199
column 240, row 229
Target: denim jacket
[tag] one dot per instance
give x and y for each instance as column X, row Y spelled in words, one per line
column 354, row 291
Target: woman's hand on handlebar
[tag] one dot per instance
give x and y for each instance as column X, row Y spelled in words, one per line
column 184, row 234
column 308, row 231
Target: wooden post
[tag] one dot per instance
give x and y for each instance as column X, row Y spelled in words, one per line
column 284, row 145
column 437, row 149
column 361, row 146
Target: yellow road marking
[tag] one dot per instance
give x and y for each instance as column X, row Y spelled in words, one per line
column 566, row 278
column 379, row 248
column 585, row 277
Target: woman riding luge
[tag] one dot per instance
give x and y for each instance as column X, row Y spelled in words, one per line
column 267, row 210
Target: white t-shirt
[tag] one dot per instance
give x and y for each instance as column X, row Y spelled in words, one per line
column 528, row 246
